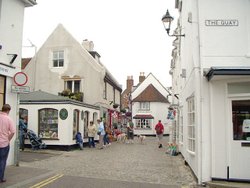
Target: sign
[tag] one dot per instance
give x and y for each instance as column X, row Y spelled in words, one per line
column 63, row 114
column 221, row 22
column 20, row 89
column 7, row 70
column 20, row 78
column 246, row 126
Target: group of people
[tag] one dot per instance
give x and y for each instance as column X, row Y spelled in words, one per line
column 102, row 130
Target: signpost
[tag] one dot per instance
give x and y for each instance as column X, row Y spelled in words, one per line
column 20, row 79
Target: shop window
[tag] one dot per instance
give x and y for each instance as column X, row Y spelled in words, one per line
column 191, row 124
column 86, row 120
column 241, row 119
column 143, row 123
column 76, row 116
column 48, row 123
column 58, row 58
column 2, row 90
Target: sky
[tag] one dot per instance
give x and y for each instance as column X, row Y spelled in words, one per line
column 128, row 34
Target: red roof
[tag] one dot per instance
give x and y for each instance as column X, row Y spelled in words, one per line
column 143, row 116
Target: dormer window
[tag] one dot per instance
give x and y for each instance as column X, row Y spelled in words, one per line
column 58, row 58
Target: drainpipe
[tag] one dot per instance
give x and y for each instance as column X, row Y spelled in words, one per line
column 200, row 99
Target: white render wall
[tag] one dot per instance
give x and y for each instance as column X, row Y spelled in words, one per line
column 11, row 24
column 201, row 48
column 65, row 127
column 159, row 111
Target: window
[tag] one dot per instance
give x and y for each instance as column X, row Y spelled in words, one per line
column 48, row 123
column 73, row 85
column 105, row 91
column 2, row 90
column 191, row 124
column 143, row 123
column 144, row 106
column 241, row 119
column 181, row 127
column 58, row 58
column 76, row 117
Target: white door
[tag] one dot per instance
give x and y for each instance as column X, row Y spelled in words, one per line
column 239, row 147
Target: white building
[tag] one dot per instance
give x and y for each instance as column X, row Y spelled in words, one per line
column 149, row 105
column 210, row 69
column 63, row 66
column 11, row 29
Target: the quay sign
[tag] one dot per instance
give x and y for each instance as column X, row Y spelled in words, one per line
column 221, row 22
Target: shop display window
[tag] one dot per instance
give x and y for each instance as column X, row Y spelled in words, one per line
column 241, row 119
column 48, row 123
column 76, row 122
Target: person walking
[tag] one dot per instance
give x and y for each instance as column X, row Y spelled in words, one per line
column 159, row 128
column 7, row 131
column 101, row 133
column 106, row 136
column 130, row 132
column 91, row 134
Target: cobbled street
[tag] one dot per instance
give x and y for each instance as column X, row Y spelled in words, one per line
column 133, row 163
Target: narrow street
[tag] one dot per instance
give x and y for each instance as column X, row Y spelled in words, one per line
column 119, row 165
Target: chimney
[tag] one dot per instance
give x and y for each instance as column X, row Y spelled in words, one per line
column 130, row 83
column 88, row 45
column 141, row 77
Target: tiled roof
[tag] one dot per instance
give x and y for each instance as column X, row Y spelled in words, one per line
column 150, row 94
column 25, row 62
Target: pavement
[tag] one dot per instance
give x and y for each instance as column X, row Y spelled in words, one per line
column 117, row 166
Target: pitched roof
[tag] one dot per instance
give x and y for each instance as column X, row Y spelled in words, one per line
column 41, row 97
column 25, row 62
column 150, row 94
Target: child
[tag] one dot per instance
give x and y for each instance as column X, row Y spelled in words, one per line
column 79, row 140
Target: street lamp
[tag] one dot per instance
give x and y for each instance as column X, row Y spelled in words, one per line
column 166, row 20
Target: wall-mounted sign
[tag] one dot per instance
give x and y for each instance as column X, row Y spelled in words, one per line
column 221, row 22
column 20, row 89
column 63, row 114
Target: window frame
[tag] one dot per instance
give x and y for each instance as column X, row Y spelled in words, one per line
column 58, row 61
column 191, row 124
column 47, row 122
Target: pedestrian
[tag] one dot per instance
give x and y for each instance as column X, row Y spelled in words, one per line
column 101, row 133
column 106, row 136
column 22, row 132
column 91, row 134
column 7, row 131
column 79, row 140
column 159, row 129
column 130, row 131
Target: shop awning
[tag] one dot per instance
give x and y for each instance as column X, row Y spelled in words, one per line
column 143, row 116
column 225, row 72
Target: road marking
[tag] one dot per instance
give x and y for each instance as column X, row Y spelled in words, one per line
column 47, row 181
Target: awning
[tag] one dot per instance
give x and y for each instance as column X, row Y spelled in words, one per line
column 143, row 116
column 227, row 71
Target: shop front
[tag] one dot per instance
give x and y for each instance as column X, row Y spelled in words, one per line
column 56, row 119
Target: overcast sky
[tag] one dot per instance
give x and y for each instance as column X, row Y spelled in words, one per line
column 128, row 34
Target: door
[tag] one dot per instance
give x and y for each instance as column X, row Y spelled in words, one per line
column 239, row 153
